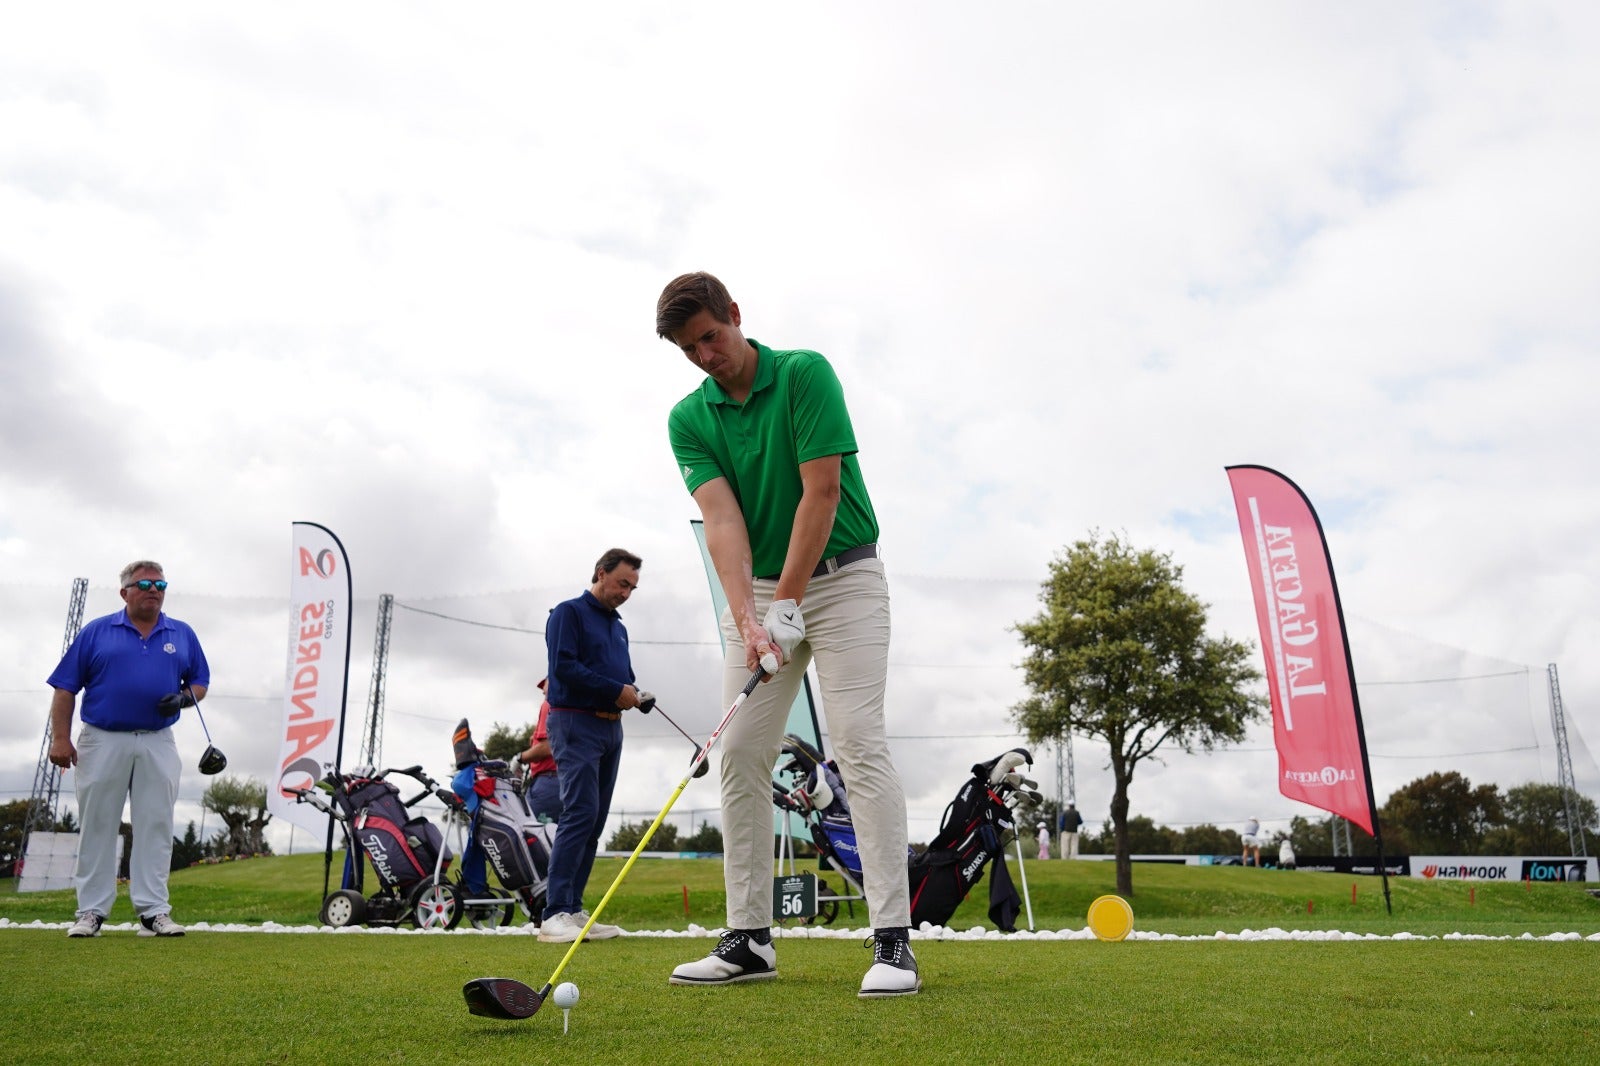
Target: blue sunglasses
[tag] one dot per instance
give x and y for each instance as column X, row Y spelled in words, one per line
column 145, row 585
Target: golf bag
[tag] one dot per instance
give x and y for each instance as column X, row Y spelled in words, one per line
column 977, row 826
column 407, row 854
column 402, row 850
column 516, row 843
column 975, row 829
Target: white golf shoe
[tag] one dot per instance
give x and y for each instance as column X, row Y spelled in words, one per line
column 894, row 967
column 737, row 957
column 599, row 930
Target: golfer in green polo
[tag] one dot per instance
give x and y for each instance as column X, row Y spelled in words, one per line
column 766, row 449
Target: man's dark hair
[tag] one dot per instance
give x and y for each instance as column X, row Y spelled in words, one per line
column 613, row 559
column 686, row 296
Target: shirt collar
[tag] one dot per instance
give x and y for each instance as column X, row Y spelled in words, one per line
column 765, row 375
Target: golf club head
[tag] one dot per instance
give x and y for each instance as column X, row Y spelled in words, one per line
column 212, row 761
column 501, row 997
column 703, row 768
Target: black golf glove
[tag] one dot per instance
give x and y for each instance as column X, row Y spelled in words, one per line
column 173, row 702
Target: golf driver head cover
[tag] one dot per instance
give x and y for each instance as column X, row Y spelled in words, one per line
column 785, row 626
column 466, row 751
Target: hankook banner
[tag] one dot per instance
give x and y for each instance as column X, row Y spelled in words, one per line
column 1316, row 721
column 319, row 660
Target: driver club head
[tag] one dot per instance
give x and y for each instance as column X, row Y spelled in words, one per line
column 212, row 761
column 703, row 768
column 501, row 997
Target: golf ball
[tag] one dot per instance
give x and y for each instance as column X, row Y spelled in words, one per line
column 565, row 995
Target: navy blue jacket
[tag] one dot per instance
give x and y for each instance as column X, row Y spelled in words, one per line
column 588, row 649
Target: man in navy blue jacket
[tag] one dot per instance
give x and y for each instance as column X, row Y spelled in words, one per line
column 590, row 685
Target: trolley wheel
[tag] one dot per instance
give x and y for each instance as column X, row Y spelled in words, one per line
column 435, row 905
column 492, row 915
column 827, row 909
column 344, row 907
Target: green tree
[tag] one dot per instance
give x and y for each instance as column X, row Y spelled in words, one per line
column 241, row 803
column 1441, row 814
column 1120, row 652
column 13, row 816
column 708, row 838
column 1534, row 822
column 506, row 741
column 187, row 851
column 628, row 835
column 1207, row 840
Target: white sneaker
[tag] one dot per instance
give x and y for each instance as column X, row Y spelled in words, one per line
column 894, row 968
column 737, row 957
column 560, row 928
column 599, row 930
column 159, row 925
column 87, row 924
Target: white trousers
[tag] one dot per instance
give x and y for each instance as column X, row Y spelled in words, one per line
column 141, row 769
column 847, row 633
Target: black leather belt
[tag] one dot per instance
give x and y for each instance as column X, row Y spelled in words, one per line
column 843, row 559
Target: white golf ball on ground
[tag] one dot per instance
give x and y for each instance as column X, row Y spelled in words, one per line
column 565, row 995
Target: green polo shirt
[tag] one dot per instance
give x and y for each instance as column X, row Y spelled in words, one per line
column 795, row 413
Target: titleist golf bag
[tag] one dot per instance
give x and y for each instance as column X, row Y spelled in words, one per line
column 402, row 850
column 516, row 843
column 975, row 829
column 407, row 854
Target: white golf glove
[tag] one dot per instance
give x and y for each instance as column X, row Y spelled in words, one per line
column 785, row 625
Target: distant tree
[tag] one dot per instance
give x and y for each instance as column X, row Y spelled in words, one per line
column 241, row 803
column 1442, row 814
column 1535, row 822
column 708, row 838
column 1207, row 840
column 506, row 740
column 628, row 835
column 13, row 816
column 1120, row 653
column 187, row 851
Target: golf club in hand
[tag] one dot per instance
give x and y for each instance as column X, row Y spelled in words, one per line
column 649, row 704
column 502, row 997
column 212, row 761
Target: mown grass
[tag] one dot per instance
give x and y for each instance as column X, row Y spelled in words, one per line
column 1168, row 898
column 230, row 997
column 247, row 997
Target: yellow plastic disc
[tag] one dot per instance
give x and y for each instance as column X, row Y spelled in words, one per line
column 1110, row 918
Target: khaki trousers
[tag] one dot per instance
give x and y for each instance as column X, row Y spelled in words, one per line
column 847, row 634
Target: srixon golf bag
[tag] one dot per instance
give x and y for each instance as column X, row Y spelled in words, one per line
column 515, row 841
column 973, row 833
column 403, row 850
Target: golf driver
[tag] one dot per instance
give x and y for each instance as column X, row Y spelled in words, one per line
column 502, row 997
column 212, row 761
column 650, row 704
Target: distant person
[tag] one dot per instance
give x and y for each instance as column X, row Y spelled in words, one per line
column 1044, row 841
column 766, row 448
column 1251, row 855
column 1068, row 824
column 590, row 685
column 1286, row 855
column 137, row 668
column 544, row 785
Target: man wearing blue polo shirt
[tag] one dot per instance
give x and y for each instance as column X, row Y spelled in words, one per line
column 137, row 669
column 590, row 685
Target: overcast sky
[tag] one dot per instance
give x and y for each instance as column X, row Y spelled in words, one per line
column 392, row 268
